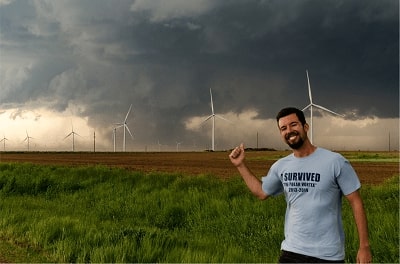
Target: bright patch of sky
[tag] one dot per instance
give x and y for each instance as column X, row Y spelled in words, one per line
column 50, row 129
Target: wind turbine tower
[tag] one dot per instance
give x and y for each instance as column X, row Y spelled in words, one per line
column 312, row 105
column 212, row 116
column 126, row 128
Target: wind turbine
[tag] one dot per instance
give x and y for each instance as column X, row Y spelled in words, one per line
column 4, row 142
column 177, row 146
column 27, row 138
column 311, row 105
column 213, row 115
column 159, row 145
column 126, row 128
column 73, row 133
column 115, row 135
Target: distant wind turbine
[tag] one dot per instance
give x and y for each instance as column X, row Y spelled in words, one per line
column 213, row 115
column 311, row 105
column 115, row 135
column 4, row 142
column 159, row 145
column 27, row 138
column 73, row 133
column 177, row 146
column 126, row 128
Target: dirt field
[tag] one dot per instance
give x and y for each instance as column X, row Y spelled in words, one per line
column 192, row 163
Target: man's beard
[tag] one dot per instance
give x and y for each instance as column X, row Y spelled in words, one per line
column 295, row 145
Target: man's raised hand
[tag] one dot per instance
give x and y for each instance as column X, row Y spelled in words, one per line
column 237, row 155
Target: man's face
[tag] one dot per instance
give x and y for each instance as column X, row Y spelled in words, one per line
column 292, row 131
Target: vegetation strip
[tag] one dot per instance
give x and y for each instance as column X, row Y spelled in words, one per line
column 100, row 214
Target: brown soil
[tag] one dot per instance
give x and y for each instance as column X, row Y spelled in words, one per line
column 192, row 163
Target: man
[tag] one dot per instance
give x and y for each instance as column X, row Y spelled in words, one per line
column 313, row 181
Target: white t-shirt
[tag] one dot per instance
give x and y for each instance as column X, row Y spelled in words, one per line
column 313, row 188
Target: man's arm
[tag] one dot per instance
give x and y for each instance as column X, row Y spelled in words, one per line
column 364, row 252
column 253, row 183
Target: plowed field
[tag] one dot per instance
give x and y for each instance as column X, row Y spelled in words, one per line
column 190, row 163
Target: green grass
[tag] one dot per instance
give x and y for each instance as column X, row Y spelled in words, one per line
column 362, row 156
column 382, row 206
column 98, row 214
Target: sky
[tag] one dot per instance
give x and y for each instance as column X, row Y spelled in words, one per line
column 69, row 65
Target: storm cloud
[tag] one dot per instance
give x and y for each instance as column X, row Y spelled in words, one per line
column 94, row 58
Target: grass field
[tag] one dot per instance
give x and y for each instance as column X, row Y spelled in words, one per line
column 102, row 213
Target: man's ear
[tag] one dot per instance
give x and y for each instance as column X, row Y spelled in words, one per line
column 306, row 127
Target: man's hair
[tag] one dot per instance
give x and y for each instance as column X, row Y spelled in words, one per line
column 291, row 110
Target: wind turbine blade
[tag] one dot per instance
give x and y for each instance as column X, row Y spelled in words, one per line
column 128, row 113
column 326, row 109
column 223, row 118
column 309, row 88
column 68, row 135
column 127, row 128
column 205, row 120
column 306, row 107
column 212, row 104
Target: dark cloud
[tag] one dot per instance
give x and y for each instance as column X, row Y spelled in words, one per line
column 164, row 57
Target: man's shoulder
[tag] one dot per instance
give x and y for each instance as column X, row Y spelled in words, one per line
column 328, row 153
column 283, row 160
column 287, row 157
